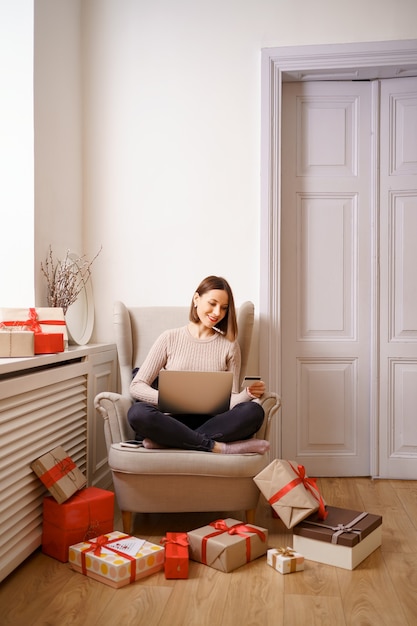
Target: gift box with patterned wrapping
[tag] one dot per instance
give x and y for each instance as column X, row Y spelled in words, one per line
column 290, row 492
column 87, row 514
column 59, row 474
column 227, row 544
column 285, row 560
column 344, row 539
column 116, row 559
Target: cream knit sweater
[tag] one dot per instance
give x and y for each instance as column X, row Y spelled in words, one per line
column 178, row 350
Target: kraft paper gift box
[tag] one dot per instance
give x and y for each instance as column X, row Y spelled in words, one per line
column 87, row 514
column 59, row 474
column 116, row 559
column 285, row 560
column 42, row 321
column 16, row 343
column 176, row 555
column 344, row 539
column 227, row 544
column 292, row 494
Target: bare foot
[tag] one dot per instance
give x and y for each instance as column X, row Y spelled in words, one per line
column 151, row 445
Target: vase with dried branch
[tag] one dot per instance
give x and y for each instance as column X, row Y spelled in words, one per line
column 66, row 279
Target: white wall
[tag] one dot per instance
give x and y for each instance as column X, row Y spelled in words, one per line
column 171, row 134
column 58, row 133
column 16, row 154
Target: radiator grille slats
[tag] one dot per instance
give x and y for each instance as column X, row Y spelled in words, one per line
column 38, row 412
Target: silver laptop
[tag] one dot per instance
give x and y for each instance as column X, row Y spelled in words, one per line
column 200, row 393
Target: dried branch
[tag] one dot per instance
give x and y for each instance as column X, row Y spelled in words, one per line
column 66, row 279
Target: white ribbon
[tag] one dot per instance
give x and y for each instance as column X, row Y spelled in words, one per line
column 341, row 528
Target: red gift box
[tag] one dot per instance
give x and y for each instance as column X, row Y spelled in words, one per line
column 49, row 343
column 87, row 514
column 176, row 555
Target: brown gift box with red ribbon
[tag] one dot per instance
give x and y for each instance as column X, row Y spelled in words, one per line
column 116, row 559
column 59, row 474
column 87, row 514
column 290, row 492
column 176, row 555
column 47, row 324
column 227, row 544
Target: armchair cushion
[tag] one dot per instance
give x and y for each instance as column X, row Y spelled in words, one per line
column 182, row 462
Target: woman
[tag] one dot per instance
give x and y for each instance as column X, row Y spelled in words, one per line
column 207, row 343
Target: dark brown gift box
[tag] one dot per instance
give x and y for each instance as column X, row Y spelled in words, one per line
column 344, row 539
column 335, row 518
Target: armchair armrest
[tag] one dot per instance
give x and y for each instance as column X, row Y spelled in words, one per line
column 113, row 408
column 270, row 402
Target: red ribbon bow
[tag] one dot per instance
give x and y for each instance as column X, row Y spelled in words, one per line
column 309, row 483
column 177, row 539
column 100, row 543
column 32, row 322
column 237, row 529
column 104, row 541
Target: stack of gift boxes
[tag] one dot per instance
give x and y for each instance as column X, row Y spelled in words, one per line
column 78, row 527
column 26, row 332
column 321, row 533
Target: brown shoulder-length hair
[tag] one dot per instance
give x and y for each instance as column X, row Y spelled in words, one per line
column 228, row 325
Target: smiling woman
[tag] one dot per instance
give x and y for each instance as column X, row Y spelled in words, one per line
column 213, row 309
column 207, row 343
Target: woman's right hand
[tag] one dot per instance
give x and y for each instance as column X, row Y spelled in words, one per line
column 257, row 389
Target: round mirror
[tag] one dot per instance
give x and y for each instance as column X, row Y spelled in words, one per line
column 80, row 315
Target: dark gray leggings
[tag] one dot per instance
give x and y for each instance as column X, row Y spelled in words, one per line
column 195, row 432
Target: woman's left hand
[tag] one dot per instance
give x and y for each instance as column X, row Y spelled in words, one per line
column 257, row 389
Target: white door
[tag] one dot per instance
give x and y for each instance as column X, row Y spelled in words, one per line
column 344, row 325
column 398, row 285
column 326, row 276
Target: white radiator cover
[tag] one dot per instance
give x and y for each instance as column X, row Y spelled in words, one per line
column 40, row 409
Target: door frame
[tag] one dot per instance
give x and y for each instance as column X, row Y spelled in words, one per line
column 358, row 61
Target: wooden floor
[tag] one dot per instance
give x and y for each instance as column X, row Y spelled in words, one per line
column 382, row 590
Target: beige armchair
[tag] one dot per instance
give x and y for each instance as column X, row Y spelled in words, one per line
column 149, row 481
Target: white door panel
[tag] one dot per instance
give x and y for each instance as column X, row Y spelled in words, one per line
column 334, row 355
column 398, row 285
column 326, row 276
